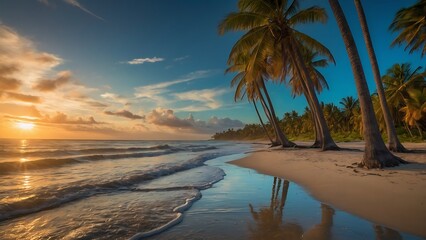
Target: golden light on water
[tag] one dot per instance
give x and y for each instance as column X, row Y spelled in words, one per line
column 25, row 125
column 26, row 182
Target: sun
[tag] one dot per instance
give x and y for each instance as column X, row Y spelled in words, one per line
column 25, row 125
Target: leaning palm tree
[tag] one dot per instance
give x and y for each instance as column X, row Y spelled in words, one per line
column 270, row 27
column 255, row 90
column 312, row 61
column 411, row 24
column 393, row 142
column 376, row 155
column 263, row 124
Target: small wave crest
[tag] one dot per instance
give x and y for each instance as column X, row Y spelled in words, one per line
column 15, row 166
column 50, row 198
column 61, row 152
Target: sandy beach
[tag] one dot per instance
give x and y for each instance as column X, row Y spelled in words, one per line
column 393, row 197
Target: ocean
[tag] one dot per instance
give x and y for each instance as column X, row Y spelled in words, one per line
column 86, row 189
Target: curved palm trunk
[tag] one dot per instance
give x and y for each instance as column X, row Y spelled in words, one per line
column 318, row 140
column 284, row 140
column 376, row 155
column 393, row 141
column 268, row 115
column 327, row 141
column 261, row 122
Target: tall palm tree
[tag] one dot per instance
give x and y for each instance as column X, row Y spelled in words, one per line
column 411, row 24
column 312, row 61
column 270, row 27
column 350, row 105
column 376, row 155
column 393, row 142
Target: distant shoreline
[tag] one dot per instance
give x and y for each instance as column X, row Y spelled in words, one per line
column 394, row 197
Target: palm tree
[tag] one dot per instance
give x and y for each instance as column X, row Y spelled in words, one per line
column 350, row 105
column 255, row 89
column 261, row 122
column 393, row 141
column 312, row 62
column 398, row 79
column 411, row 24
column 415, row 109
column 376, row 155
column 270, row 27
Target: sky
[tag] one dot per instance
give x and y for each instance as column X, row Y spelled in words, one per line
column 151, row 69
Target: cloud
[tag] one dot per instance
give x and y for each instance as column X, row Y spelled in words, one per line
column 7, row 83
column 96, row 104
column 47, row 85
column 215, row 124
column 20, row 61
column 180, row 58
column 167, row 118
column 115, row 98
column 59, row 118
column 76, row 4
column 20, row 97
column 125, row 114
column 205, row 99
column 20, row 110
column 154, row 92
column 145, row 60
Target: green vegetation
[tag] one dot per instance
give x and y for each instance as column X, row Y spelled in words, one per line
column 272, row 49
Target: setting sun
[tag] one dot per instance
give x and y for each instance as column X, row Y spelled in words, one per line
column 25, row 125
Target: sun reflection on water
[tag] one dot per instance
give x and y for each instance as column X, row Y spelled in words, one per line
column 23, row 146
column 26, row 182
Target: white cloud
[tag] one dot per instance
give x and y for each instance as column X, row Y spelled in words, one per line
column 76, row 4
column 145, row 60
column 205, row 99
column 115, row 98
column 155, row 92
column 181, row 58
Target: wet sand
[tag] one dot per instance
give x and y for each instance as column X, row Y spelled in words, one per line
column 392, row 197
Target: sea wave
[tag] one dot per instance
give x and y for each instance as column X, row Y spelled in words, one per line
column 10, row 167
column 62, row 152
column 47, row 198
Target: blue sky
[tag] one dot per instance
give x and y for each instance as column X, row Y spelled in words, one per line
column 179, row 81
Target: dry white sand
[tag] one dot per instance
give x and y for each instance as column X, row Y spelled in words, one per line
column 393, row 197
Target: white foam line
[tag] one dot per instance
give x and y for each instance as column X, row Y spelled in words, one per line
column 179, row 217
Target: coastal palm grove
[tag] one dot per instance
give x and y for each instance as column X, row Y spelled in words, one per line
column 273, row 49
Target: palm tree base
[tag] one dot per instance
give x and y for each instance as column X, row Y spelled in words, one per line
column 274, row 144
column 380, row 159
column 289, row 144
column 330, row 147
column 398, row 148
column 317, row 144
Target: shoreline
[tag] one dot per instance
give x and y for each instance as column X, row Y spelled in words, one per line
column 394, row 197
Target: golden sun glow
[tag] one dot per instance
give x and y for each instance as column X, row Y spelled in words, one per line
column 25, row 125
